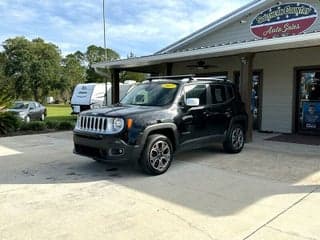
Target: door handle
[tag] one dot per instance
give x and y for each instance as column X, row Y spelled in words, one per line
column 187, row 119
column 228, row 112
column 210, row 114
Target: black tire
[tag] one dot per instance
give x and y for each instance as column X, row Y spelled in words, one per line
column 235, row 139
column 160, row 147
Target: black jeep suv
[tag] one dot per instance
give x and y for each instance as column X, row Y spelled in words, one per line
column 163, row 116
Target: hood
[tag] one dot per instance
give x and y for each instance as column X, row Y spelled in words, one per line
column 17, row 111
column 121, row 110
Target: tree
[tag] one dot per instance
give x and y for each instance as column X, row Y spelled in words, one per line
column 5, row 88
column 128, row 75
column 95, row 54
column 32, row 66
column 17, row 65
column 34, row 69
column 45, row 68
column 81, row 58
column 72, row 74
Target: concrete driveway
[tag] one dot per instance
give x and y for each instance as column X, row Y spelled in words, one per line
column 269, row 191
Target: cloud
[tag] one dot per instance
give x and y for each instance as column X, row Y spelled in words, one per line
column 156, row 24
column 139, row 26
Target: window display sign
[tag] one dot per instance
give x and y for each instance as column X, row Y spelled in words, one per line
column 311, row 115
column 283, row 20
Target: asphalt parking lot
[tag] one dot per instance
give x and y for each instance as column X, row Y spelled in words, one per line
column 269, row 191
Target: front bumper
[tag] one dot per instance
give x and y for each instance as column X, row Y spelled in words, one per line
column 104, row 147
column 22, row 118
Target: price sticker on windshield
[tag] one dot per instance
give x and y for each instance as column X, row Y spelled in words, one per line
column 169, row 86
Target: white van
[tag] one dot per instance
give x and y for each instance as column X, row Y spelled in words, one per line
column 92, row 95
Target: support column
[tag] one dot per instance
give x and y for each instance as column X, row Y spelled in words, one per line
column 115, row 78
column 168, row 69
column 246, row 89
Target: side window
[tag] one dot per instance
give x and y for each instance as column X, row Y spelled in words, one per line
column 32, row 106
column 218, row 93
column 230, row 92
column 196, row 91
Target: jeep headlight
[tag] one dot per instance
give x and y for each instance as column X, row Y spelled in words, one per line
column 95, row 106
column 118, row 124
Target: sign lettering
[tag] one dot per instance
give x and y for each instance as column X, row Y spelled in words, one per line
column 283, row 20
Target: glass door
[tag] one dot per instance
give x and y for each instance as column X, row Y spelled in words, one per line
column 308, row 101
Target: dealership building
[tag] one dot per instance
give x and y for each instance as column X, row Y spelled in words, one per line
column 270, row 49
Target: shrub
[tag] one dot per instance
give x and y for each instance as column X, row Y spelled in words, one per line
column 66, row 125
column 33, row 126
column 8, row 123
column 52, row 124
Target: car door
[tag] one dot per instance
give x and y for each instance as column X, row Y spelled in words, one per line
column 194, row 124
column 33, row 111
column 220, row 112
column 38, row 110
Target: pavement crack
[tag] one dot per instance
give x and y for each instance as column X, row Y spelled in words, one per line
column 292, row 233
column 188, row 223
column 281, row 213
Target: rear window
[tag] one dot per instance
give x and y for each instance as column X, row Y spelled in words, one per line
column 230, row 92
column 218, row 93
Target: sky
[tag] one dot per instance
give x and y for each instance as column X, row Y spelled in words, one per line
column 138, row 26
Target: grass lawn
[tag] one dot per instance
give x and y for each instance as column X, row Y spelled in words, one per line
column 59, row 112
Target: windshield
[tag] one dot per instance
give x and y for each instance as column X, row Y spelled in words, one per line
column 151, row 94
column 20, row 105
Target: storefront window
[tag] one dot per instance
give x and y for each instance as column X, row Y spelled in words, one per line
column 309, row 100
column 255, row 101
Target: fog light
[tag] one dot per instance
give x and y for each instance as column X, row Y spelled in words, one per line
column 116, row 151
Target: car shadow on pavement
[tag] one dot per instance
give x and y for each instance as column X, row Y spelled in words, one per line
column 206, row 180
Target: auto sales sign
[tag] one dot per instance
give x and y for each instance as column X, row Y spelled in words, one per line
column 283, row 20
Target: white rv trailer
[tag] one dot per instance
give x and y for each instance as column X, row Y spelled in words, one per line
column 92, row 95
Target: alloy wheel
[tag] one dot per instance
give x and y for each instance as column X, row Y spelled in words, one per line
column 160, row 155
column 237, row 138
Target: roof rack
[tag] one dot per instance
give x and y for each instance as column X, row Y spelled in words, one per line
column 190, row 76
column 217, row 78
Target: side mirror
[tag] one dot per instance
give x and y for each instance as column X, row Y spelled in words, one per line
column 193, row 102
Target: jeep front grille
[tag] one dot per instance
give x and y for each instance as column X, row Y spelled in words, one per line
column 95, row 124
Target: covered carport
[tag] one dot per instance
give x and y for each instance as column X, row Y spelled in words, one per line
column 239, row 56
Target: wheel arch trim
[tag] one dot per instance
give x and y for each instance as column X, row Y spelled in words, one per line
column 161, row 126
